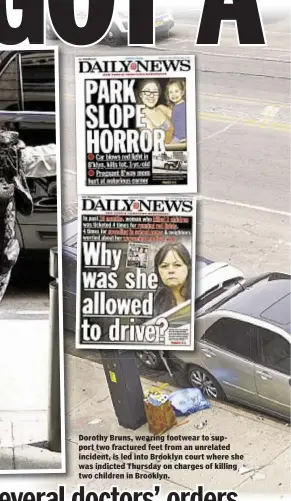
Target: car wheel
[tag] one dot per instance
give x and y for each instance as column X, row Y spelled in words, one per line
column 200, row 378
column 166, row 166
column 150, row 359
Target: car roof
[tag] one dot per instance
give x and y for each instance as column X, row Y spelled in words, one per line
column 267, row 298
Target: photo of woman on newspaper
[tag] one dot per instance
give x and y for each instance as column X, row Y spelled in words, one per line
column 156, row 116
column 171, row 117
column 173, row 267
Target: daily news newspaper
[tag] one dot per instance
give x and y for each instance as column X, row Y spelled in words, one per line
column 136, row 128
column 136, row 272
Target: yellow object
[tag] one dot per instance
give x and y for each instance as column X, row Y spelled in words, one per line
column 112, row 376
column 156, row 389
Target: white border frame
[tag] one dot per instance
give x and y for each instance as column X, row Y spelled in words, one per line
column 151, row 189
column 137, row 346
column 62, row 469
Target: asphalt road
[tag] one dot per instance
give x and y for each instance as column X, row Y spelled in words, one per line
column 243, row 134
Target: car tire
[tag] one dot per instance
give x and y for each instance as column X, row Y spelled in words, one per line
column 200, row 378
column 151, row 360
column 166, row 166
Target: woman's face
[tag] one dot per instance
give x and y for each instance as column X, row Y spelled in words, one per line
column 150, row 94
column 173, row 271
column 175, row 93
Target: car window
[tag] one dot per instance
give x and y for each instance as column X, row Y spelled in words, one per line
column 10, row 91
column 69, row 274
column 38, row 77
column 274, row 351
column 232, row 335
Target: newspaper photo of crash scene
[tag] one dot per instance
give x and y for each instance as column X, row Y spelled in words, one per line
column 135, row 273
column 136, row 124
column 29, row 301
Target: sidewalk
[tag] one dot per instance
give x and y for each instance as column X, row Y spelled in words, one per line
column 264, row 442
column 24, row 396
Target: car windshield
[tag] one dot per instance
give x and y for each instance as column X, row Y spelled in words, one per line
column 243, row 286
column 217, row 292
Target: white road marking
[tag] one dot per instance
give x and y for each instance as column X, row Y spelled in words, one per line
column 246, row 206
column 218, row 132
column 269, row 114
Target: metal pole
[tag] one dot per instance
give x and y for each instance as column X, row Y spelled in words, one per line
column 54, row 415
column 125, row 387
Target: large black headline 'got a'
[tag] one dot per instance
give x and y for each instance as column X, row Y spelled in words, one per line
column 141, row 28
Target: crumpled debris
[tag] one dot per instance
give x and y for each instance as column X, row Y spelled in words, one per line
column 95, row 421
column 258, row 476
column 201, row 425
column 245, row 469
column 182, row 423
column 260, row 418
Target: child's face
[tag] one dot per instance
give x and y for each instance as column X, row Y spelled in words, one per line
column 176, row 94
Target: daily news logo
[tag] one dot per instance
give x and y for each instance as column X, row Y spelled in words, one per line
column 136, row 66
column 118, row 205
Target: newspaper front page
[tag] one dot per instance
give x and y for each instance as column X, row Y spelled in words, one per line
column 136, row 129
column 136, row 272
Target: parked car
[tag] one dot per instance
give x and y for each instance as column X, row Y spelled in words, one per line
column 242, row 346
column 27, row 89
column 213, row 279
column 118, row 32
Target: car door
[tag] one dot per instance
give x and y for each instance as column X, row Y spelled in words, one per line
column 272, row 372
column 69, row 291
column 227, row 347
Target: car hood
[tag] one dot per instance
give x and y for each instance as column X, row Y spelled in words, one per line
column 214, row 275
